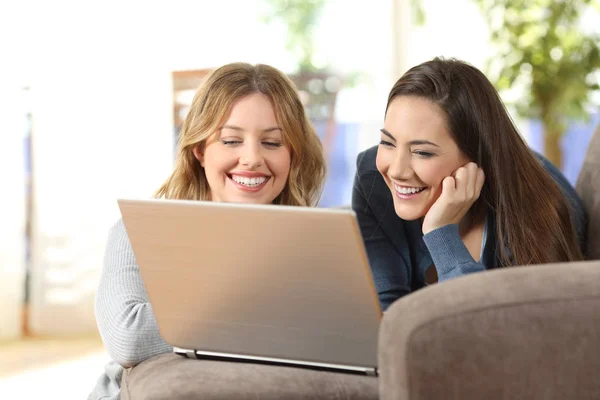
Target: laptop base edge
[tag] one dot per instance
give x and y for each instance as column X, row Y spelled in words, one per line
column 216, row 356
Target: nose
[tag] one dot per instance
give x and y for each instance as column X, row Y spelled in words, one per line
column 401, row 167
column 251, row 156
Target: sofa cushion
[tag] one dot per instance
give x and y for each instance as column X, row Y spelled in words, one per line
column 588, row 187
column 171, row 376
column 521, row 333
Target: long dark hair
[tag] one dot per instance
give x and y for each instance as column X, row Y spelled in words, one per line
column 533, row 218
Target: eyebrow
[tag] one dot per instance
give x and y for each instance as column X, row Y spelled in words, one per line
column 386, row 133
column 240, row 129
column 412, row 142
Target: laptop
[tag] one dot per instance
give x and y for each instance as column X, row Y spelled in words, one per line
column 257, row 283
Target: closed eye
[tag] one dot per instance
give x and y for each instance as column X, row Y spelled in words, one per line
column 385, row 143
column 231, row 142
column 424, row 154
column 272, row 145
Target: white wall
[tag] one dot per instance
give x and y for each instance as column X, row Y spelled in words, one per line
column 101, row 91
column 12, row 195
column 451, row 29
column 12, row 210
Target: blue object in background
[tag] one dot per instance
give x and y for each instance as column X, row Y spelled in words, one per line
column 574, row 144
column 341, row 163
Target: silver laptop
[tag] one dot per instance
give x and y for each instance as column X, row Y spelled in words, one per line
column 257, row 283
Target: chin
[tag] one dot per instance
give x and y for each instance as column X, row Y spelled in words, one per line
column 250, row 199
column 246, row 200
column 409, row 213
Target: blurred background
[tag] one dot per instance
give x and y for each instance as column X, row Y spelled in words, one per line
column 92, row 95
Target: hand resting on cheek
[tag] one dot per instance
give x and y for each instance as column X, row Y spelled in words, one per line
column 459, row 192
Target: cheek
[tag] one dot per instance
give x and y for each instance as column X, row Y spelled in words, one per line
column 281, row 163
column 217, row 160
column 433, row 173
column 208, row 160
column 382, row 161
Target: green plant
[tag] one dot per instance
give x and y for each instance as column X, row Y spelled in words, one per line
column 301, row 17
column 543, row 48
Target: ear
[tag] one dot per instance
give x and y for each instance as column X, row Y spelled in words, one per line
column 199, row 154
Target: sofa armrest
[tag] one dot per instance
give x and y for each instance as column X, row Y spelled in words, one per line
column 588, row 188
column 519, row 333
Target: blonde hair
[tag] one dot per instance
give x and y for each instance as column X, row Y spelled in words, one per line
column 210, row 107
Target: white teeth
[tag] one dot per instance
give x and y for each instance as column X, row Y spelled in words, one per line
column 407, row 190
column 250, row 182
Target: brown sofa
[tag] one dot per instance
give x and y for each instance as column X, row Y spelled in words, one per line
column 523, row 333
column 588, row 187
column 173, row 377
column 520, row 333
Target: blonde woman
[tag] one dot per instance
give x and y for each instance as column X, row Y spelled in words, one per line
column 246, row 139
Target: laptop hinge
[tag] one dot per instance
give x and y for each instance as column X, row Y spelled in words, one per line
column 191, row 354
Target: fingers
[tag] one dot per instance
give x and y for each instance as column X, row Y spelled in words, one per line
column 448, row 186
column 462, row 181
column 469, row 181
column 459, row 192
column 480, row 181
column 472, row 180
column 463, row 184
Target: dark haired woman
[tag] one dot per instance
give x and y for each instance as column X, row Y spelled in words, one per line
column 453, row 189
